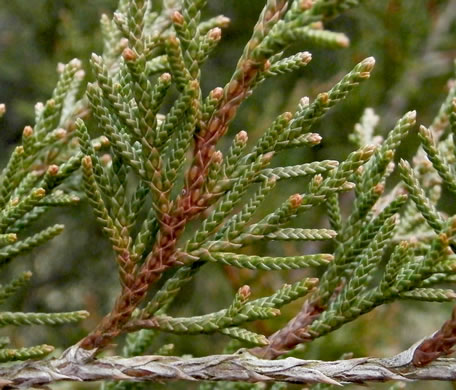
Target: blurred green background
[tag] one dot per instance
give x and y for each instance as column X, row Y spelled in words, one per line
column 414, row 43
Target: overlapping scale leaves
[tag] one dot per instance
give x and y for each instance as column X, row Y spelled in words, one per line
column 30, row 184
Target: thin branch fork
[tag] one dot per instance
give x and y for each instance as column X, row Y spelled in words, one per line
column 77, row 364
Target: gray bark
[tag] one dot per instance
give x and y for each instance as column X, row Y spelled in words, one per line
column 77, row 364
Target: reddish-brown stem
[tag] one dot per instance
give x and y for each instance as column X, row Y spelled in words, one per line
column 440, row 344
column 193, row 201
column 294, row 333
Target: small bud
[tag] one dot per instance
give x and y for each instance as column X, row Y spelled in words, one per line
column 223, row 21
column 50, row 103
column 12, row 237
column 123, row 43
column 317, row 25
column 317, row 180
column 348, row 186
column 379, row 188
column 305, row 4
column 242, row 137
column 106, row 159
column 14, row 202
column 28, row 131
column 323, row 97
column 216, row 93
column 87, row 162
column 177, row 18
column 2, row 109
column 368, row 64
column 287, row 116
column 39, row 192
column 411, row 117
column 267, row 157
column 304, row 102
column 314, row 138
column 327, row 257
column 80, row 74
column 129, row 55
column 75, row 63
column 244, row 292
column 60, row 67
column 295, row 200
column 39, row 106
column 266, row 65
column 217, row 157
column 215, row 34
column 53, row 170
column 343, row 41
column 306, row 57
column 60, row 133
column 312, row 281
column 104, row 141
column 165, row 78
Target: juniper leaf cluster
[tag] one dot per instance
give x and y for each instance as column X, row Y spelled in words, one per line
column 31, row 184
column 166, row 156
column 170, row 201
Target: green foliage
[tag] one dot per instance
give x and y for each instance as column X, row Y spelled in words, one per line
column 29, row 187
column 170, row 201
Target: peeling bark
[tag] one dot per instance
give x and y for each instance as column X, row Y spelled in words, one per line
column 77, row 364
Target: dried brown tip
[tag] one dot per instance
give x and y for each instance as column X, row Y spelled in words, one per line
column 295, row 200
column 129, row 55
column 379, row 188
column 323, row 97
column 28, row 131
column 177, row 18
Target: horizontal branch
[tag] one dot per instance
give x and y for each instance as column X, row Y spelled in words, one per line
column 77, row 364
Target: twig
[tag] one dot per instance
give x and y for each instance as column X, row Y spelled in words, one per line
column 77, row 364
